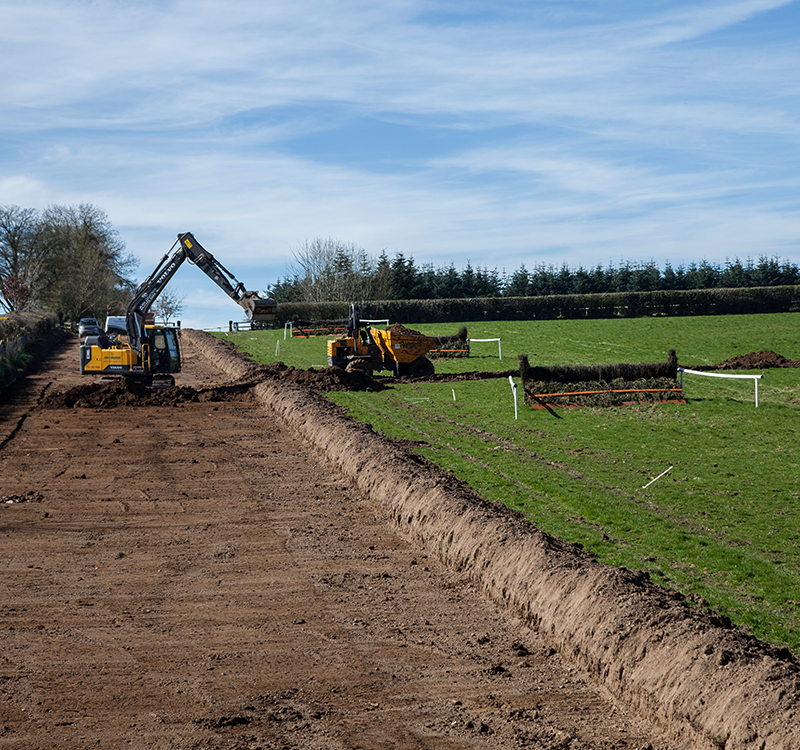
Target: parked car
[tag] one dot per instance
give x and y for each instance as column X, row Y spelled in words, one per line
column 89, row 327
column 115, row 325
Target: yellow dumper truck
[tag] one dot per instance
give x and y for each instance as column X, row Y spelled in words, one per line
column 371, row 349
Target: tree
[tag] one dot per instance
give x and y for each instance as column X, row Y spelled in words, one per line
column 168, row 304
column 328, row 270
column 382, row 278
column 17, row 227
column 14, row 293
column 518, row 284
column 284, row 290
column 67, row 259
column 450, row 282
column 487, row 283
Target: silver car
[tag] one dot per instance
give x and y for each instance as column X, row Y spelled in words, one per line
column 89, row 327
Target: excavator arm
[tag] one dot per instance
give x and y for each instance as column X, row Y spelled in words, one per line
column 257, row 309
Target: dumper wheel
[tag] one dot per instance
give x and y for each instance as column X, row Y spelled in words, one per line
column 421, row 367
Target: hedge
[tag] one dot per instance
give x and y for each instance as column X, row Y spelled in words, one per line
column 737, row 301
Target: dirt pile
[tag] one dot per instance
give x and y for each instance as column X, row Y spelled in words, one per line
column 329, row 379
column 131, row 392
column 683, row 667
column 401, row 330
column 763, row 360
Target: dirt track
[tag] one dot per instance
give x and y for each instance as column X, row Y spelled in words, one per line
column 198, row 574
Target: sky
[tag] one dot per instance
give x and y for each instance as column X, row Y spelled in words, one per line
column 498, row 133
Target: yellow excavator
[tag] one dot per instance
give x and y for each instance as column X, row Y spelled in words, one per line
column 152, row 352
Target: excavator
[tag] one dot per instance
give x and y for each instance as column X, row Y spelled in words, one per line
column 152, row 352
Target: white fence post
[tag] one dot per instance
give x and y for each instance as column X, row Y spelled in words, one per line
column 514, row 391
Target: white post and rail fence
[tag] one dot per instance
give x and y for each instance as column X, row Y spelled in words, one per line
column 754, row 378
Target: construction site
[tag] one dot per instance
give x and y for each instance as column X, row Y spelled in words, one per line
column 234, row 563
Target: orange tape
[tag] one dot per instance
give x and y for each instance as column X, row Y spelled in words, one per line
column 631, row 390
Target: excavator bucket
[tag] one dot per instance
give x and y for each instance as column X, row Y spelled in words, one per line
column 259, row 310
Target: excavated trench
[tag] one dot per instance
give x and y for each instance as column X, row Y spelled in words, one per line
column 682, row 667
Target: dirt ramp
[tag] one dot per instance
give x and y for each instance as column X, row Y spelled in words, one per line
column 707, row 684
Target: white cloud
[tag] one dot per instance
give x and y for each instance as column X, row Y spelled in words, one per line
column 525, row 132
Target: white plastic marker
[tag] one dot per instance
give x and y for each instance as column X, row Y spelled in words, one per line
column 653, row 480
column 454, row 394
column 514, row 389
column 754, row 378
column 277, row 347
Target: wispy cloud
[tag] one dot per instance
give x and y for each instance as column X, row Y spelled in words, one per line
column 502, row 132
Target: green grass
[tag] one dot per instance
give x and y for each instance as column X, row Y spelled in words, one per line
column 722, row 524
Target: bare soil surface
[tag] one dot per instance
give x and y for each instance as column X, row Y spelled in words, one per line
column 234, row 564
column 181, row 570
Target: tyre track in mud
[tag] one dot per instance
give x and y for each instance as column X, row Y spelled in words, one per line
column 705, row 683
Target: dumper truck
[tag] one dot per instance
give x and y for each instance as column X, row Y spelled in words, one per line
column 370, row 349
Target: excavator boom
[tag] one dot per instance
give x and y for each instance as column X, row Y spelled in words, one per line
column 257, row 309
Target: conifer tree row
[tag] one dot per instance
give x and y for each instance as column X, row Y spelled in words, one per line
column 331, row 271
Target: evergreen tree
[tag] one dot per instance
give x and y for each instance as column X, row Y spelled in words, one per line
column 404, row 277
column 450, row 283
column 518, row 284
column 382, row 284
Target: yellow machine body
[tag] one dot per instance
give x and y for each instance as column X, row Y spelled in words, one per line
column 375, row 349
column 160, row 358
column 402, row 347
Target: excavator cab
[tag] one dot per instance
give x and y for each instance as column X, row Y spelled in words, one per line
column 165, row 356
column 160, row 357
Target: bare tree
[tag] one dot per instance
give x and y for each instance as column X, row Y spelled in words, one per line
column 17, row 227
column 331, row 270
column 168, row 304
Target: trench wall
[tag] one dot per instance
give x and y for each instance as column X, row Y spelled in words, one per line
column 706, row 684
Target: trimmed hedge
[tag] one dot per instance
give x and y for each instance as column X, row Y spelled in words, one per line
column 595, row 373
column 739, row 301
column 18, row 333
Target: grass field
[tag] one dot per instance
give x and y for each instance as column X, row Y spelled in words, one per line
column 722, row 524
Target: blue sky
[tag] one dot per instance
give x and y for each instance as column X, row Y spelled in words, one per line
column 498, row 132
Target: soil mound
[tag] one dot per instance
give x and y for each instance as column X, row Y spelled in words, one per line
column 757, row 361
column 400, row 329
column 130, row 392
column 328, row 379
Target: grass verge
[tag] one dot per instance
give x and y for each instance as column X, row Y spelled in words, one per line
column 722, row 525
